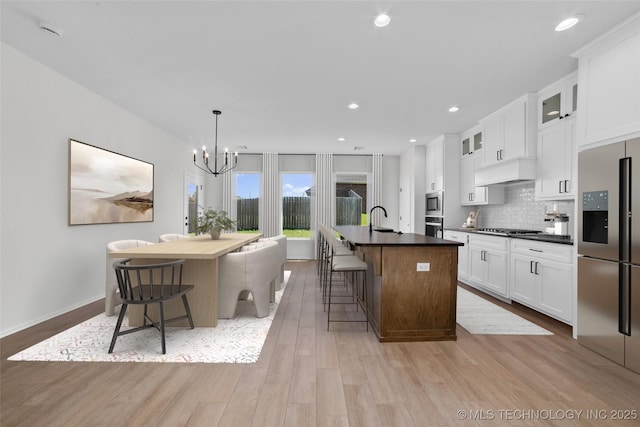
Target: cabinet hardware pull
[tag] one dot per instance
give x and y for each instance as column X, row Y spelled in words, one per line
column 536, row 269
column 531, row 267
column 559, row 186
column 498, row 155
column 566, row 115
column 536, row 250
column 560, row 117
column 566, row 185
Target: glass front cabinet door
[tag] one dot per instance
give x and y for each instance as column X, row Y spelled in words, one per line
column 558, row 101
column 471, row 140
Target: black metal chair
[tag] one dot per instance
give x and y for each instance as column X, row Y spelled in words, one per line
column 150, row 284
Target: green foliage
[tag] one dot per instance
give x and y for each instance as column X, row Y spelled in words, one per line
column 214, row 219
column 300, row 234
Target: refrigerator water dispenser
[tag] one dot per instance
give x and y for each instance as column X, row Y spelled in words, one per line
column 595, row 216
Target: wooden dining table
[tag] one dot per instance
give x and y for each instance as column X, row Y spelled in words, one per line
column 200, row 269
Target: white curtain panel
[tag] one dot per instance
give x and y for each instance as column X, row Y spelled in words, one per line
column 227, row 195
column 324, row 201
column 323, row 195
column 377, row 187
column 271, row 201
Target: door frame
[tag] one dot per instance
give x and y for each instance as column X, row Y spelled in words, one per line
column 199, row 181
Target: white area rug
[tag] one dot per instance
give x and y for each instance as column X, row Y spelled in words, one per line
column 479, row 316
column 238, row 340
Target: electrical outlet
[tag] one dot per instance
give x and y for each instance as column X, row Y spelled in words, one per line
column 423, row 266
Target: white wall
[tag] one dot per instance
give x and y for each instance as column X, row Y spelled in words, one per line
column 413, row 165
column 391, row 191
column 48, row 267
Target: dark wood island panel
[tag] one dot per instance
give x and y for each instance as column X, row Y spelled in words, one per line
column 406, row 304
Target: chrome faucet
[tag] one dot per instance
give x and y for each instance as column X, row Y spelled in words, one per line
column 371, row 211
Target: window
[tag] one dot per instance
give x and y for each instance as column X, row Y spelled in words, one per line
column 296, row 205
column 247, row 202
column 351, row 199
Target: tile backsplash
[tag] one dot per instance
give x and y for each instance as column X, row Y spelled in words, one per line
column 521, row 210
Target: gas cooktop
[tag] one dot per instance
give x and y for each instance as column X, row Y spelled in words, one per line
column 506, row 231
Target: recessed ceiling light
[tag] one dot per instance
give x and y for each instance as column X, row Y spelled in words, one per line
column 569, row 22
column 381, row 20
column 341, row 139
column 412, row 140
column 353, row 106
column 453, row 109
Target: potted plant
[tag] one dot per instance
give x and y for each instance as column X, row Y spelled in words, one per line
column 213, row 222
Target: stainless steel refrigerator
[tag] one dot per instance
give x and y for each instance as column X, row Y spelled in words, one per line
column 609, row 251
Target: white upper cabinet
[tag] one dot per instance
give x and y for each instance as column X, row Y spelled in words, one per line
column 558, row 101
column 435, row 165
column 442, row 173
column 471, row 141
column 472, row 149
column 470, row 194
column 509, row 133
column 556, row 161
column 609, row 101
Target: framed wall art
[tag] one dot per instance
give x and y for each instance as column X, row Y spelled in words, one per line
column 107, row 187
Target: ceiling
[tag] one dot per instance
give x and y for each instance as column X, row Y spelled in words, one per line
column 283, row 72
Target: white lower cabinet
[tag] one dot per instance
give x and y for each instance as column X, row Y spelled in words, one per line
column 542, row 277
column 488, row 263
column 463, row 252
column 536, row 274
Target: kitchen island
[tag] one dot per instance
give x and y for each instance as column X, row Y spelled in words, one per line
column 411, row 283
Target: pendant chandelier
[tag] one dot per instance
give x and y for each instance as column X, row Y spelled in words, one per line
column 230, row 161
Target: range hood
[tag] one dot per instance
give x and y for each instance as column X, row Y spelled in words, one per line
column 507, row 171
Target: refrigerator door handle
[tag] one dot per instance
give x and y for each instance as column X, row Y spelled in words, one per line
column 624, row 296
column 625, row 209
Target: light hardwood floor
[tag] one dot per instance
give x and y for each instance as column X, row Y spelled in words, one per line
column 307, row 376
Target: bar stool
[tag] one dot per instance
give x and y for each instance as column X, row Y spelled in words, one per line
column 346, row 264
column 328, row 237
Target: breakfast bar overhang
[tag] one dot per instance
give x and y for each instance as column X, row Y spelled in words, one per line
column 411, row 281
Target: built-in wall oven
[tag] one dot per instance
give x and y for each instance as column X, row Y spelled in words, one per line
column 433, row 226
column 434, row 219
column 434, row 204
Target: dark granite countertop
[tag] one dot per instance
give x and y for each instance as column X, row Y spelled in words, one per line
column 543, row 237
column 360, row 236
column 540, row 237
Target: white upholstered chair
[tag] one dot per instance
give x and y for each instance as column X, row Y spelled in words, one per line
column 111, row 299
column 251, row 269
column 171, row 236
column 281, row 240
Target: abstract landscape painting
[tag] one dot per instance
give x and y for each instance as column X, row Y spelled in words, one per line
column 107, row 187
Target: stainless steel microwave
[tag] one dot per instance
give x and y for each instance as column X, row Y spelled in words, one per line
column 434, row 203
